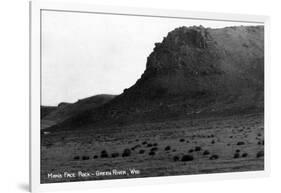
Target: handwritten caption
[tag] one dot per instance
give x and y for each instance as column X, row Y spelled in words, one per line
column 97, row 173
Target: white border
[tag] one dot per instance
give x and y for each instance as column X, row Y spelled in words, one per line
column 35, row 84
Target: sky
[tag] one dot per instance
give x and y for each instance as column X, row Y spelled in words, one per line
column 85, row 54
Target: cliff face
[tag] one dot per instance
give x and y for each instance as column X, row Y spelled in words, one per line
column 193, row 70
column 199, row 60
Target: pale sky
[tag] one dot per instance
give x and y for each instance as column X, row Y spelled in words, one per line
column 86, row 54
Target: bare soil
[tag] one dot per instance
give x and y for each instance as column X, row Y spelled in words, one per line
column 179, row 147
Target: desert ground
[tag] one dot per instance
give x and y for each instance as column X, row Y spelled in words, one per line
column 203, row 145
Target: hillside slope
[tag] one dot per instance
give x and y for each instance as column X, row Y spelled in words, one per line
column 194, row 70
column 45, row 110
column 65, row 111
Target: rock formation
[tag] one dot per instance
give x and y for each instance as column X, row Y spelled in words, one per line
column 194, row 70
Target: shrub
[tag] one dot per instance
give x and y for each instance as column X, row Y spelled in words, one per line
column 135, row 147
column 141, row 151
column 85, row 158
column 197, row 148
column 261, row 142
column 95, row 157
column 126, row 153
column 151, row 153
column 176, row 158
column 206, row 152
column 244, row 155
column 260, row 154
column 76, row 158
column 149, row 145
column 187, row 158
column 167, row 148
column 213, row 157
column 236, row 155
column 104, row 154
column 240, row 143
column 115, row 154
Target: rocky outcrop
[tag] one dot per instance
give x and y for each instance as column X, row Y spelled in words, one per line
column 198, row 59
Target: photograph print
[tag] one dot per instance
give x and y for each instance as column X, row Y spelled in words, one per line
column 133, row 96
